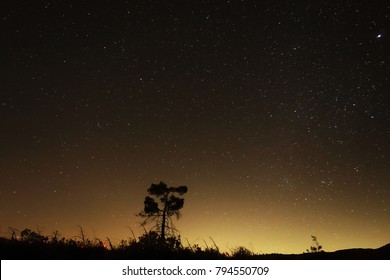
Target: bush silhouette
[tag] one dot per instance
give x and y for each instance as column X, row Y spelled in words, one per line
column 27, row 235
column 242, row 253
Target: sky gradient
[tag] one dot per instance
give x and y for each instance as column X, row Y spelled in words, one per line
column 274, row 114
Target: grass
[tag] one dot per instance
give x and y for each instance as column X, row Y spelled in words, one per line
column 32, row 245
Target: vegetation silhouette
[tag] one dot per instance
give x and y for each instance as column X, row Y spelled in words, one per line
column 316, row 247
column 160, row 205
column 28, row 244
column 161, row 242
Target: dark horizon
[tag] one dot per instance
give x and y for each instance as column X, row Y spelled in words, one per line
column 30, row 245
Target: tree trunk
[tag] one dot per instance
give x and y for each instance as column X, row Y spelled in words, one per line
column 164, row 218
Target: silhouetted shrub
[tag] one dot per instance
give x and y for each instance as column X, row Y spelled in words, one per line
column 27, row 235
column 242, row 253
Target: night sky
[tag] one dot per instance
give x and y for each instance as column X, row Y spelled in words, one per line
column 275, row 114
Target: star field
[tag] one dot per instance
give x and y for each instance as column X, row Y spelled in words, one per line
column 274, row 114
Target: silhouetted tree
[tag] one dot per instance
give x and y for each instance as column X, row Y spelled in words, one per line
column 161, row 204
column 317, row 247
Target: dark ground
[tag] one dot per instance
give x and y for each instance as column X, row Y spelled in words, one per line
column 18, row 250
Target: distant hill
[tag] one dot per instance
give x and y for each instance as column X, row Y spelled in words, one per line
column 382, row 253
